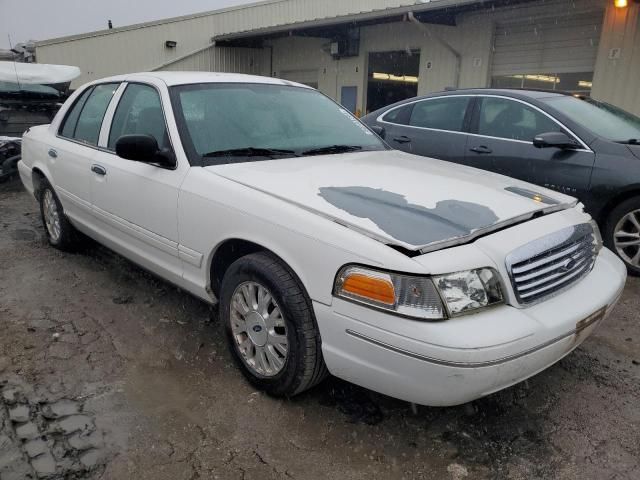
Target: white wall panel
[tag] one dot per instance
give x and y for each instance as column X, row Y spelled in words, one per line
column 617, row 75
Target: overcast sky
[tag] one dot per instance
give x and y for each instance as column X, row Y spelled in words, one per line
column 42, row 19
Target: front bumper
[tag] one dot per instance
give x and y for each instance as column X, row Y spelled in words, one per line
column 461, row 359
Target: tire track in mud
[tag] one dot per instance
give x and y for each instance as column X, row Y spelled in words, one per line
column 49, row 439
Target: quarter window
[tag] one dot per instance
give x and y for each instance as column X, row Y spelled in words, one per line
column 139, row 112
column 441, row 113
column 87, row 129
column 504, row 118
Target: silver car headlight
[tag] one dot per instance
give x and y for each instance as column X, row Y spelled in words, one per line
column 419, row 297
column 597, row 236
column 470, row 290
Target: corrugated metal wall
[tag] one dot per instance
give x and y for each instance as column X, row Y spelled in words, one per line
column 550, row 45
column 223, row 59
column 142, row 47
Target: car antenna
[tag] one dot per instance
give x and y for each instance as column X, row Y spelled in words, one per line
column 15, row 67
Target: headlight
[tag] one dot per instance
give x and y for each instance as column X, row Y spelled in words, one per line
column 414, row 297
column 470, row 290
column 597, row 236
column 420, row 297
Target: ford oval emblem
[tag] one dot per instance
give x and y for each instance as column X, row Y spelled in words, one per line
column 568, row 264
column 257, row 328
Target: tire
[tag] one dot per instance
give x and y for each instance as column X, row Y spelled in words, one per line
column 279, row 375
column 625, row 218
column 63, row 235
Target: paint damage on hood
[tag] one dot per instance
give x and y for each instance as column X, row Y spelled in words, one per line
column 415, row 203
column 410, row 223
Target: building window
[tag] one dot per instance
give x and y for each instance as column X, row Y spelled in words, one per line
column 577, row 83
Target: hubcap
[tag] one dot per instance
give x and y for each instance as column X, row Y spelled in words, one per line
column 627, row 238
column 51, row 215
column 259, row 330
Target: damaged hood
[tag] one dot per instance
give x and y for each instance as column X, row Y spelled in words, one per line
column 417, row 203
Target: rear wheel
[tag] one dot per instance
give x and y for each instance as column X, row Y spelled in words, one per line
column 60, row 233
column 270, row 326
column 623, row 233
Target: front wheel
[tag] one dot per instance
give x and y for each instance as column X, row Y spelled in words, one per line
column 622, row 234
column 270, row 326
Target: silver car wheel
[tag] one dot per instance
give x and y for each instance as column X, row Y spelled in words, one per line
column 51, row 215
column 627, row 238
column 259, row 329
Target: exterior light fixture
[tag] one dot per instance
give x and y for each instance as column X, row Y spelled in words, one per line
column 395, row 78
column 620, row 3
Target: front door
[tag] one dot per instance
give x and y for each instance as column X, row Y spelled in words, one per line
column 502, row 141
column 135, row 203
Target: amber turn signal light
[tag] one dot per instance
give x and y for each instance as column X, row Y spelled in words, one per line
column 372, row 288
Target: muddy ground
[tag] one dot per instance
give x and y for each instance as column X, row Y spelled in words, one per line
column 109, row 373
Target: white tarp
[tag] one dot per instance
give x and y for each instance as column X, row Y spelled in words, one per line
column 36, row 73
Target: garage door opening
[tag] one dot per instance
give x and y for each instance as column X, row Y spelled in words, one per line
column 392, row 76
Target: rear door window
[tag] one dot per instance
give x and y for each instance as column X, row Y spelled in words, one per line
column 447, row 113
column 504, row 118
column 139, row 112
column 87, row 129
column 69, row 125
column 399, row 115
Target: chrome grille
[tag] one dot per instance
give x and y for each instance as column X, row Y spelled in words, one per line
column 552, row 263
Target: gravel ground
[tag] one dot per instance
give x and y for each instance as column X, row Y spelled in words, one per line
column 107, row 372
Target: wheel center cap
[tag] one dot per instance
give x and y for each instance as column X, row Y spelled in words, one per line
column 256, row 329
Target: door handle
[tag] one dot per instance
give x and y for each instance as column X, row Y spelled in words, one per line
column 100, row 170
column 481, row 149
column 53, row 153
column 402, row 139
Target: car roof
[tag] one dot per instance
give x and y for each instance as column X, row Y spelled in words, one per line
column 188, row 78
column 512, row 92
column 516, row 93
column 507, row 92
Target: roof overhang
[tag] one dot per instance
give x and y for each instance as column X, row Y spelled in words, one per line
column 434, row 11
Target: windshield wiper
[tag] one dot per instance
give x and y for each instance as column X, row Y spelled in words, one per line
column 332, row 149
column 631, row 141
column 249, row 152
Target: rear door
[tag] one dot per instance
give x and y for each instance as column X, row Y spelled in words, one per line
column 432, row 127
column 501, row 140
column 135, row 203
column 73, row 149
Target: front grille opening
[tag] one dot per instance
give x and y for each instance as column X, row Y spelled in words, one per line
column 554, row 269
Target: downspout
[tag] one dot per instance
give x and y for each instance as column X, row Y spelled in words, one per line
column 423, row 26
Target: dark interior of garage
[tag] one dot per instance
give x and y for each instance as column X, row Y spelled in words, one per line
column 392, row 76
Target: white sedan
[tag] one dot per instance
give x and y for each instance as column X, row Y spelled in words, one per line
column 326, row 250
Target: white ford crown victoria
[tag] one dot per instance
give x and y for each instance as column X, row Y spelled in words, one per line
column 326, row 250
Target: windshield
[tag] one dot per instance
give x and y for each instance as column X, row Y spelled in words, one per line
column 601, row 118
column 223, row 123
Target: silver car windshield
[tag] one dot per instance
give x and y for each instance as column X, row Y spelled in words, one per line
column 224, row 123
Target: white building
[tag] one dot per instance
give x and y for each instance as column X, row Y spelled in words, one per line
column 367, row 53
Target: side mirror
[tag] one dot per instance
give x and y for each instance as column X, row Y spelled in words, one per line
column 378, row 130
column 555, row 140
column 144, row 148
